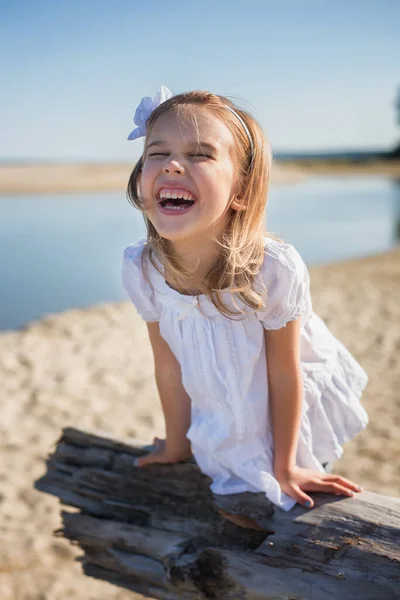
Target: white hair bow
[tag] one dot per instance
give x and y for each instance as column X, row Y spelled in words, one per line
column 144, row 110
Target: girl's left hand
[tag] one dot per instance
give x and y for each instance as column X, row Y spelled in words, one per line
column 295, row 481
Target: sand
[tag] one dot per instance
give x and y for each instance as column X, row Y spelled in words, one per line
column 109, row 177
column 93, row 369
column 93, row 177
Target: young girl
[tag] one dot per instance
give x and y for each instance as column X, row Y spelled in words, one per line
column 250, row 379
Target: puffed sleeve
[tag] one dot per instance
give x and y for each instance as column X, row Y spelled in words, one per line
column 287, row 284
column 137, row 285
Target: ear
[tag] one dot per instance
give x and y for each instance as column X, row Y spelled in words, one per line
column 238, row 203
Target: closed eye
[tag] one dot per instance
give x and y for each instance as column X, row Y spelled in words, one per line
column 200, row 156
column 190, row 155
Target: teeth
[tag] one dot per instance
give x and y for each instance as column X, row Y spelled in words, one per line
column 172, row 207
column 174, row 194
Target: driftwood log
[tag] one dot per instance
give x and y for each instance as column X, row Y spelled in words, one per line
column 161, row 532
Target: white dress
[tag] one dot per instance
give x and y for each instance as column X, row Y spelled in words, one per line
column 224, row 372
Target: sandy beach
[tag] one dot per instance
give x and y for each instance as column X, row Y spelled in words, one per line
column 109, row 177
column 95, row 177
column 92, row 369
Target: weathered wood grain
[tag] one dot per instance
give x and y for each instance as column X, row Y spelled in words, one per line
column 160, row 531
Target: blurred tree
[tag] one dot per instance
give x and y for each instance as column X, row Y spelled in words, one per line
column 396, row 151
column 398, row 106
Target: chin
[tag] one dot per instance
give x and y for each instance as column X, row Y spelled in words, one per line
column 174, row 232
column 173, row 236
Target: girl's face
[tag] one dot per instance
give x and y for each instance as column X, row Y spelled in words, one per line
column 187, row 181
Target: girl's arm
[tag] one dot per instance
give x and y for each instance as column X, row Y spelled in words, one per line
column 175, row 404
column 285, row 386
column 285, row 390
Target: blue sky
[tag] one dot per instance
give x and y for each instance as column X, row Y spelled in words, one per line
column 317, row 75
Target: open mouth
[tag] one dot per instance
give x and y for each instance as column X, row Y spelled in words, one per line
column 175, row 201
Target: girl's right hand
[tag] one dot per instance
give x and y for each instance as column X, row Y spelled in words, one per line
column 296, row 481
column 159, row 454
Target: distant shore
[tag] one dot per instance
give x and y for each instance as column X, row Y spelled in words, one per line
column 113, row 177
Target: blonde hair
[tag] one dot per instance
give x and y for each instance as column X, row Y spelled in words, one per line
column 242, row 247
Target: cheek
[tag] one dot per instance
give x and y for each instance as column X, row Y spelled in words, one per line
column 147, row 177
column 225, row 179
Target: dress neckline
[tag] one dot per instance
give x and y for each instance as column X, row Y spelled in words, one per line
column 174, row 292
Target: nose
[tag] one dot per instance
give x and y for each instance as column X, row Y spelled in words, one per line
column 173, row 167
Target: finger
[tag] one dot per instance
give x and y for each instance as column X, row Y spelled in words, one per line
column 336, row 488
column 149, row 459
column 324, row 483
column 301, row 497
column 343, row 481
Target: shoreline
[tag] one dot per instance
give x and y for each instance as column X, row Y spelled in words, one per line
column 339, row 264
column 69, row 178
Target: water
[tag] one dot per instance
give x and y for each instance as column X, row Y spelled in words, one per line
column 333, row 219
column 64, row 251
